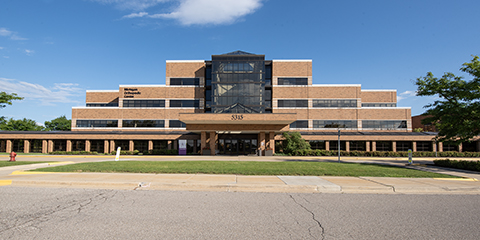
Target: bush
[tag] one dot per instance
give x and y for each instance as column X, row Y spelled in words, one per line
column 73, row 153
column 124, row 152
column 317, row 152
column 466, row 165
column 161, row 152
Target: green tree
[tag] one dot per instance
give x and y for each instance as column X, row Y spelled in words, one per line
column 456, row 112
column 20, row 125
column 58, row 124
column 6, row 98
column 293, row 141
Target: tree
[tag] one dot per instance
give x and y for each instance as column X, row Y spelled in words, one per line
column 293, row 141
column 6, row 98
column 20, row 125
column 456, row 113
column 58, row 124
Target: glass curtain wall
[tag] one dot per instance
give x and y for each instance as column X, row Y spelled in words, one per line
column 238, row 83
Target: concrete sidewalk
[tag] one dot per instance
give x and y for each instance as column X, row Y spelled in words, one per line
column 17, row 176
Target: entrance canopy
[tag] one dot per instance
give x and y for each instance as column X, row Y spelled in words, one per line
column 238, row 122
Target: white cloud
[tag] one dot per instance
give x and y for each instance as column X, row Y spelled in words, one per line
column 13, row 35
column 136, row 5
column 201, row 12
column 406, row 94
column 29, row 52
column 59, row 93
column 134, row 15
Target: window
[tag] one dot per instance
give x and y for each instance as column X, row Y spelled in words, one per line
column 424, row 146
column 143, row 103
column 334, row 124
column 292, row 103
column 144, row 123
column 403, row 146
column 334, row 103
column 384, row 146
column 379, row 105
column 184, row 103
column 184, row 81
column 97, row 123
column 317, row 144
column 292, row 81
column 177, row 124
column 110, row 104
column 299, row 124
column 238, row 67
column 392, row 124
column 357, row 145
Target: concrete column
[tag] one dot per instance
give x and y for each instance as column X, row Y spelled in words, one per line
column 261, row 142
column 203, row 140
column 327, row 145
column 131, row 146
column 440, row 146
column 271, row 141
column 367, row 146
column 374, row 146
column 105, row 146
column 213, row 139
column 434, row 146
column 414, row 146
column 347, row 146
column 9, row 146
column 169, row 144
column 150, row 145
column 394, row 146
column 69, row 145
column 112, row 146
column 50, row 145
column 460, row 147
column 44, row 146
column 88, row 145
column 26, row 146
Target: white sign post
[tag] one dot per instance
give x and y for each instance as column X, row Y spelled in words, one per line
column 117, row 157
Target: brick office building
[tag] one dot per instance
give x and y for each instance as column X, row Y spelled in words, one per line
column 235, row 104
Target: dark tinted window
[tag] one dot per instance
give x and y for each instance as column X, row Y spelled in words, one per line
column 292, row 81
column 144, row 123
column 379, row 104
column 299, row 124
column 110, row 104
column 292, row 103
column 176, row 124
column 334, row 124
column 334, row 103
column 143, row 103
column 184, row 103
column 97, row 123
column 185, row 81
column 384, row 124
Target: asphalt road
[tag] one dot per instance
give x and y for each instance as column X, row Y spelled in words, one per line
column 51, row 213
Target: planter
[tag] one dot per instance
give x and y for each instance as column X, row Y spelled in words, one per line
column 268, row 152
column 207, row 152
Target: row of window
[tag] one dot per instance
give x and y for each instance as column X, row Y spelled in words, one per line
column 329, row 103
column 374, row 124
column 159, row 103
column 401, row 146
column 130, row 123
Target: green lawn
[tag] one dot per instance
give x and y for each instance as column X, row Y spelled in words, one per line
column 7, row 163
column 246, row 168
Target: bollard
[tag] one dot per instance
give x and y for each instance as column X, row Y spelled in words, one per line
column 410, row 160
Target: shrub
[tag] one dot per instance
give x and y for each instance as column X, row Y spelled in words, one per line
column 72, row 153
column 466, row 165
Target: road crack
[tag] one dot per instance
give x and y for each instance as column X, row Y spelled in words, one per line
column 313, row 218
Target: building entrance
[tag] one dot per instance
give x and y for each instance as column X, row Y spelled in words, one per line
column 237, row 144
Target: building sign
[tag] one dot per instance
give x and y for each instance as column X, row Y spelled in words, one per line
column 182, row 147
column 130, row 92
column 237, row 117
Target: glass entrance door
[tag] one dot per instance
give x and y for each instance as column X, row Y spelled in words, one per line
column 237, row 144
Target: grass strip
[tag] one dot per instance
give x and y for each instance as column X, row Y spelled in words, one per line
column 8, row 164
column 247, row 168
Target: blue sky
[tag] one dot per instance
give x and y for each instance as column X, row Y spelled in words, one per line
column 52, row 51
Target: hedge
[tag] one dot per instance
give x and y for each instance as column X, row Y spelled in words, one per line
column 73, row 153
column 466, row 165
column 312, row 152
column 161, row 152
